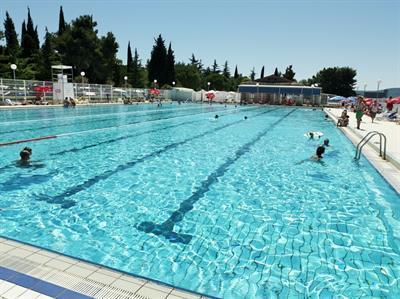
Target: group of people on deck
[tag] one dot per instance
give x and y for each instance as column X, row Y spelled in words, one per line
column 360, row 108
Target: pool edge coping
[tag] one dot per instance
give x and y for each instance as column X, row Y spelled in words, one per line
column 388, row 169
column 101, row 266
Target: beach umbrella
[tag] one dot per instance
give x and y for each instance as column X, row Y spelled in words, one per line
column 393, row 101
column 368, row 101
column 154, row 91
column 210, row 94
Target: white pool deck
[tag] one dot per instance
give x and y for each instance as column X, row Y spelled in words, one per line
column 389, row 168
column 69, row 274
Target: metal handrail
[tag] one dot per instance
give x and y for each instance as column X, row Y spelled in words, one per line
column 366, row 139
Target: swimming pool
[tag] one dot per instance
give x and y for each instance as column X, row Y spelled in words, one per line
column 223, row 207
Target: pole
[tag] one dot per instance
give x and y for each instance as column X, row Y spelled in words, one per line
column 2, row 89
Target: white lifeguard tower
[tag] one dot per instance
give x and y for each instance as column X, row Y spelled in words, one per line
column 62, row 76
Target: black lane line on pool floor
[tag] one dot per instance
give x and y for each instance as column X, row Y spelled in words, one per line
column 166, row 229
column 77, row 149
column 65, row 203
column 112, row 118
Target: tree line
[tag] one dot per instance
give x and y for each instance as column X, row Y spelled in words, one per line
column 78, row 44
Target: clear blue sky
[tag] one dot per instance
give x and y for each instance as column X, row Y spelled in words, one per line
column 309, row 34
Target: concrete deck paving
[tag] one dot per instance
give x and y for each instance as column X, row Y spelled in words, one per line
column 389, row 168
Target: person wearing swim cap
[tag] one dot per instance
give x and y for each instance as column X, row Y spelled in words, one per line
column 216, row 116
column 311, row 135
column 326, row 142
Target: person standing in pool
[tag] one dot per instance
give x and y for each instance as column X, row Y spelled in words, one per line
column 25, row 155
column 359, row 110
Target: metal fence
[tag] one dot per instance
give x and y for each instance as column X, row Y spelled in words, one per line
column 35, row 92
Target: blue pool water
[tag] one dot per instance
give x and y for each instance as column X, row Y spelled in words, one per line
column 224, row 207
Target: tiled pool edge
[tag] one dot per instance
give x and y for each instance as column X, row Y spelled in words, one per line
column 141, row 287
column 386, row 169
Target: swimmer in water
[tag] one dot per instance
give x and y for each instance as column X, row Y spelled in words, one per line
column 216, row 116
column 25, row 155
column 311, row 135
column 245, row 117
column 326, row 142
column 318, row 154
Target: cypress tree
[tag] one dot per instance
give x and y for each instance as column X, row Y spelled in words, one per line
column 36, row 39
column 289, row 73
column 47, row 53
column 129, row 60
column 253, row 74
column 170, row 66
column 136, row 71
column 29, row 38
column 225, row 71
column 156, row 66
column 276, row 73
column 12, row 45
column 236, row 73
column 215, row 67
column 61, row 22
column 262, row 73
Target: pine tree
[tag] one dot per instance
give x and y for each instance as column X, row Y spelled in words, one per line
column 193, row 60
column 236, row 73
column 61, row 22
column 262, row 73
column 253, row 74
column 215, row 67
column 170, row 66
column 156, row 66
column 12, row 45
column 129, row 60
column 226, row 71
column 289, row 73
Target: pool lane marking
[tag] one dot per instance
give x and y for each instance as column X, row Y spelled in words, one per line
column 27, row 140
column 111, row 127
column 166, row 228
column 93, row 119
column 63, row 200
column 102, row 114
column 38, row 285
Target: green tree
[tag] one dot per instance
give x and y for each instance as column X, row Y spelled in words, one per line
column 157, row 63
column 215, row 68
column 188, row 75
column 336, row 80
column 80, row 47
column 226, row 71
column 262, row 73
column 129, row 60
column 170, row 66
column 289, row 73
column 218, row 81
column 136, row 73
column 31, row 30
column 196, row 62
column 109, row 48
column 12, row 46
column 47, row 55
column 276, row 72
column 253, row 74
column 236, row 73
column 61, row 22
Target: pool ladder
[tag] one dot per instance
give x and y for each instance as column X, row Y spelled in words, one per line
column 366, row 139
